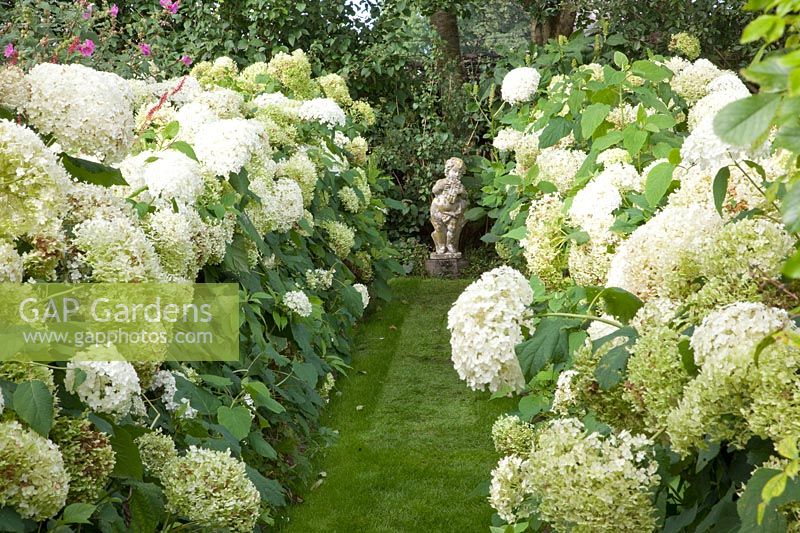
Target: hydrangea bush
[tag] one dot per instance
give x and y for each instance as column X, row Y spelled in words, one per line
column 654, row 344
column 259, row 177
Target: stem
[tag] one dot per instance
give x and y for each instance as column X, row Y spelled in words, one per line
column 608, row 321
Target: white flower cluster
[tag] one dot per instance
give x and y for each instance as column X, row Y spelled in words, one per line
column 87, row 111
column 225, row 146
column 168, row 175
column 322, row 110
column 653, row 252
column 520, row 85
column 279, row 207
column 298, row 302
column 165, row 380
column 364, row 292
column 319, row 279
column 109, row 387
column 559, row 166
column 507, row 139
column 542, row 246
column 485, row 325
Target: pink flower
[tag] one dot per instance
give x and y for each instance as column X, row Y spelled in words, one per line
column 114, row 10
column 9, row 50
column 144, row 48
column 86, row 48
column 186, row 60
column 88, row 13
column 171, row 6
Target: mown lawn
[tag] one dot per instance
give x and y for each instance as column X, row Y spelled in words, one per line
column 411, row 458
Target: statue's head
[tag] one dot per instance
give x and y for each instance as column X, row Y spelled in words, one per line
column 454, row 168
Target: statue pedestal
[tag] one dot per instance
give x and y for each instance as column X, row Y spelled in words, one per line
column 445, row 265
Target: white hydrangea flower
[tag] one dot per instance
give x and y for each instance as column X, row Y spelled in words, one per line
column 109, row 386
column 676, row 64
column 507, row 139
column 301, row 169
column 32, row 183
column 593, row 206
column 713, row 102
column 509, row 488
column 618, row 473
column 613, row 156
column 691, row 81
column 322, row 110
column 543, row 242
column 279, row 207
column 14, row 89
column 192, row 117
column 11, row 265
column 225, row 146
column 364, row 292
column 174, row 237
column 298, row 302
column 653, row 251
column 319, row 278
column 225, row 103
column 704, row 148
column 588, row 263
column 564, row 396
column 88, row 112
column 117, row 250
column 735, row 331
column 485, row 325
column 165, row 380
column 168, row 175
column 559, row 166
column 520, row 85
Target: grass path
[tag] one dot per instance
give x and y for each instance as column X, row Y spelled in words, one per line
column 410, row 459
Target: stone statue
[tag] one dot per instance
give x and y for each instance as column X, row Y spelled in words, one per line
column 447, row 210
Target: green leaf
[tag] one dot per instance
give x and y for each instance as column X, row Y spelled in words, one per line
column 620, row 59
column 743, row 122
column 530, row 406
column 185, row 148
column 557, row 128
column 262, row 396
column 261, row 446
column 767, row 27
column 216, row 381
column 620, row 303
column 146, row 505
column 633, row 140
column 791, row 269
column 592, row 117
column 720, row 187
column 687, row 357
column 609, row 139
column 517, row 233
column 33, row 403
column 788, row 137
column 171, row 130
column 658, row 181
column 706, row 455
column 128, row 461
column 650, row 71
column 748, row 504
column 549, row 344
column 790, row 208
column 476, row 213
column 91, row 172
column 237, row 420
column 609, row 371
column 78, row 513
column 306, row 372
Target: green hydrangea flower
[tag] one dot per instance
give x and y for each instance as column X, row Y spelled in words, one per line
column 88, row 457
column 35, row 482
column 210, row 488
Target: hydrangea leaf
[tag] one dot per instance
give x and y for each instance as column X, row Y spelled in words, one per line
column 236, row 420
column 92, row 172
column 78, row 513
column 550, row 343
column 743, row 122
column 33, row 402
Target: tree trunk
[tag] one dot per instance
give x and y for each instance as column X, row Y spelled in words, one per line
column 562, row 23
column 446, row 25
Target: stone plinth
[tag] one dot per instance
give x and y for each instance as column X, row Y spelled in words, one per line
column 445, row 265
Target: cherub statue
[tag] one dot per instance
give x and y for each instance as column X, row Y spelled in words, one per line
column 447, row 209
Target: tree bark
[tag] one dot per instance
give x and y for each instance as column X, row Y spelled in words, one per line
column 446, row 25
column 562, row 23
